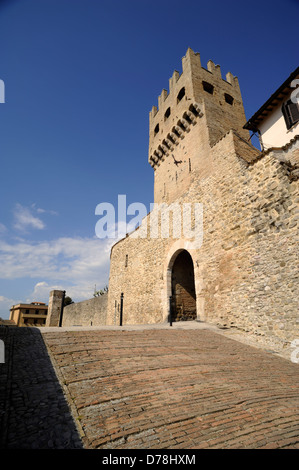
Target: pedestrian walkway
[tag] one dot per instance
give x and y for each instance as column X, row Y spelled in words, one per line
column 186, row 387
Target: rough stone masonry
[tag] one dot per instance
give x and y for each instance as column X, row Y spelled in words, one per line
column 245, row 273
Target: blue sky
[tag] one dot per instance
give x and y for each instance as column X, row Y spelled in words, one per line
column 80, row 79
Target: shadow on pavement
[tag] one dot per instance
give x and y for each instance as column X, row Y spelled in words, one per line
column 34, row 413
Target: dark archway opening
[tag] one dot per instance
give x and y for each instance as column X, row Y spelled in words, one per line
column 183, row 301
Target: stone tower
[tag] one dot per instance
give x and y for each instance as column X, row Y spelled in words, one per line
column 56, row 300
column 198, row 110
column 240, row 274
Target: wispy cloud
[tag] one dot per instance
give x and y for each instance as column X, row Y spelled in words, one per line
column 41, row 291
column 5, row 305
column 25, row 219
column 39, row 210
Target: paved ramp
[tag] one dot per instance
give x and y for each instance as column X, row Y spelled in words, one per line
column 144, row 388
column 175, row 389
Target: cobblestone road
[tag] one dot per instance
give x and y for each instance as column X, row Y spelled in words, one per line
column 146, row 389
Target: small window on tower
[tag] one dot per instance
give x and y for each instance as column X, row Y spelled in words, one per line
column 229, row 99
column 167, row 114
column 156, row 129
column 208, row 87
column 181, row 94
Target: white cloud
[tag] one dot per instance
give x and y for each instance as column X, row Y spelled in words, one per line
column 39, row 210
column 24, row 219
column 41, row 292
column 4, row 299
column 71, row 264
column 6, row 304
column 75, row 265
column 83, row 290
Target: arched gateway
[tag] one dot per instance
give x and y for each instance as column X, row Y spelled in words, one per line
column 182, row 291
column 183, row 296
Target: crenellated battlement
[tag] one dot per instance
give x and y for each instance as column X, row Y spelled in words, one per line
column 195, row 92
column 190, row 61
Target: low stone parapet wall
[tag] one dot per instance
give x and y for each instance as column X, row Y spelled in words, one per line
column 86, row 313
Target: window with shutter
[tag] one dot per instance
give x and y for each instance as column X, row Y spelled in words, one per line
column 290, row 112
column 294, row 112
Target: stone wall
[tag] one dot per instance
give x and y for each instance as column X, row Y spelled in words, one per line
column 252, row 280
column 246, row 272
column 246, row 269
column 86, row 313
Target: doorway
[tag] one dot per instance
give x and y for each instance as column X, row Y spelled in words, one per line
column 183, row 296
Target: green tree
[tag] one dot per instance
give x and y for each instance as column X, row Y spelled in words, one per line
column 68, row 301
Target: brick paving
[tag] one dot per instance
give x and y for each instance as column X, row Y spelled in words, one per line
column 177, row 389
column 156, row 388
column 34, row 412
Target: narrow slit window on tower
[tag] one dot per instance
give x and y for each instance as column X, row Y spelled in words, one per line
column 181, row 94
column 228, row 98
column 167, row 114
column 208, row 87
column 126, row 262
column 156, row 129
column 189, row 165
